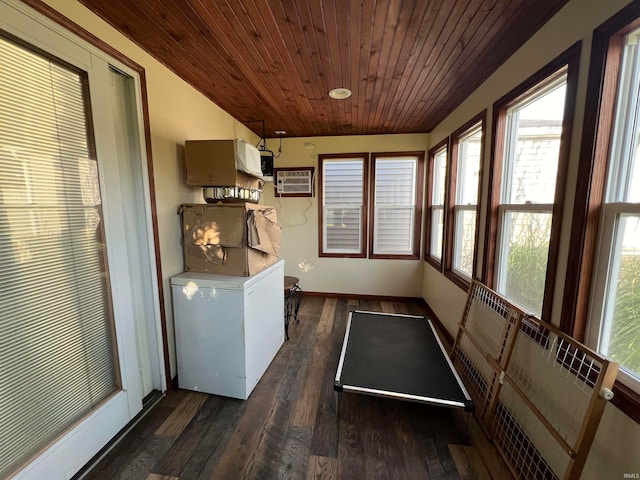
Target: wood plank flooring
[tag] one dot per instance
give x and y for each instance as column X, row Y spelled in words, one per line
column 289, row 427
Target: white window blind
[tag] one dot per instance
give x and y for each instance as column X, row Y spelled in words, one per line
column 342, row 207
column 394, row 205
column 57, row 346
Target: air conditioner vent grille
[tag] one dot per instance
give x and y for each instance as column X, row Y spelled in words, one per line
column 294, row 182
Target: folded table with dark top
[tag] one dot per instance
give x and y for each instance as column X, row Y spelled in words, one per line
column 398, row 356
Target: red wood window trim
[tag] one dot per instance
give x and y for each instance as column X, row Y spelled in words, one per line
column 569, row 59
column 604, row 67
column 363, row 226
column 415, row 255
column 451, row 274
column 433, row 261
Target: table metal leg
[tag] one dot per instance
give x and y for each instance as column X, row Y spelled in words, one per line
column 291, row 307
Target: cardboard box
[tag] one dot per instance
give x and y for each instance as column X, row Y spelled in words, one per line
column 212, row 163
column 239, row 239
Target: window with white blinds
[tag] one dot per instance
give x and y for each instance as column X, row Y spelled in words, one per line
column 393, row 214
column 57, row 343
column 395, row 205
column 343, row 202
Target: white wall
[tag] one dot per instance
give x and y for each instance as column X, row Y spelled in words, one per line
column 299, row 218
column 617, row 447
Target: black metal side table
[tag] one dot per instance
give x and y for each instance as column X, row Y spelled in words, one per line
column 292, row 299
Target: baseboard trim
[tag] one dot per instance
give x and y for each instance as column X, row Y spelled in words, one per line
column 356, row 296
column 439, row 325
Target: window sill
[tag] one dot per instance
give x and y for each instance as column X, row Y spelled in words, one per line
column 342, row 255
column 461, row 282
column 383, row 256
column 626, row 400
column 435, row 263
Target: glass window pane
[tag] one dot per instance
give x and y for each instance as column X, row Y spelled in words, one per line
column 437, row 225
column 468, row 169
column 342, row 198
column 633, row 195
column 439, row 175
column 395, row 181
column 395, row 199
column 621, row 326
column 394, row 230
column 464, row 241
column 524, row 253
column 342, row 229
column 533, row 145
column 342, row 182
column 624, row 182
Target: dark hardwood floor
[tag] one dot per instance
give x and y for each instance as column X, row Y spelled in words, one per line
column 289, row 427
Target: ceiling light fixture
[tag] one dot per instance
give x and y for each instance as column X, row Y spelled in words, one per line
column 340, row 93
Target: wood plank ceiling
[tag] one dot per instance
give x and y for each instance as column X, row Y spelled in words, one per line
column 409, row 63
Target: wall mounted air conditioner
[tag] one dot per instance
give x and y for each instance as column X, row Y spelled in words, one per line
column 293, row 182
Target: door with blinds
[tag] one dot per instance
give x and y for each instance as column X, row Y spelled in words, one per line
column 75, row 271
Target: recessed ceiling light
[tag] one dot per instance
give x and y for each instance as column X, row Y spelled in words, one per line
column 340, row 93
